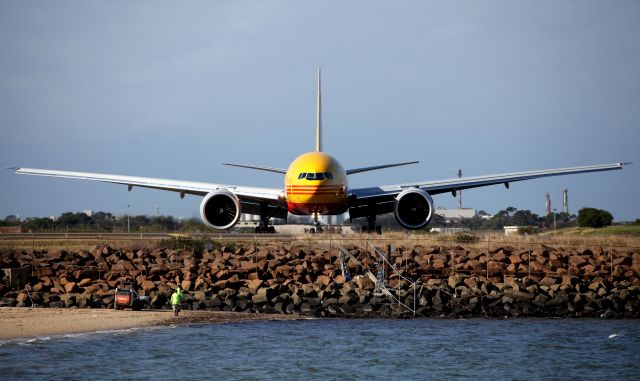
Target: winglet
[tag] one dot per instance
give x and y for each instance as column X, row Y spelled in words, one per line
column 319, row 117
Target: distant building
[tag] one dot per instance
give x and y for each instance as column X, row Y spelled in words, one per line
column 449, row 230
column 456, row 214
column 514, row 230
column 88, row 212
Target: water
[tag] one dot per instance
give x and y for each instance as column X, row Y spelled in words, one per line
column 337, row 350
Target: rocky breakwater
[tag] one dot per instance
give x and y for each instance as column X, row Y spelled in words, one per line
column 450, row 281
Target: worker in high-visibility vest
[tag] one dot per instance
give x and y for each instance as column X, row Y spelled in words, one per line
column 176, row 298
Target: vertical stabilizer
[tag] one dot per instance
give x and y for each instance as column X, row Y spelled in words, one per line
column 319, row 118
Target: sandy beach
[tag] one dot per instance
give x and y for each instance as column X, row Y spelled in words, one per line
column 31, row 322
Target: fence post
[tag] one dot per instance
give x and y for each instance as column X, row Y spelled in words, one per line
column 386, row 264
column 611, row 258
column 529, row 272
column 487, row 236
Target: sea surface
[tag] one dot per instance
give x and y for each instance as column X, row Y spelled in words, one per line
column 418, row 349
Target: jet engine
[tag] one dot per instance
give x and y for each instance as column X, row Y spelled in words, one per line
column 413, row 208
column 220, row 209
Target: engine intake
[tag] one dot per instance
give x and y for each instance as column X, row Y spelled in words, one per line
column 413, row 208
column 220, row 210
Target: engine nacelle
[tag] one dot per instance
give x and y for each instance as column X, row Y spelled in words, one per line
column 220, row 210
column 413, row 208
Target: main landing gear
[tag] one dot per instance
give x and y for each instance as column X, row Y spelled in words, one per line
column 263, row 225
column 371, row 226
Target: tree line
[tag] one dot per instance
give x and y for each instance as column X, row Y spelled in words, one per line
column 586, row 217
column 104, row 222
column 107, row 222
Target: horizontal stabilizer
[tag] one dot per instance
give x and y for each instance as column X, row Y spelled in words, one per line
column 258, row 167
column 366, row 169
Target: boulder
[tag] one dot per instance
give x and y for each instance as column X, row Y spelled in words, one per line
column 518, row 295
column 548, row 281
column 70, row 287
column 69, row 300
column 148, row 286
column 515, row 259
column 254, row 285
column 576, row 260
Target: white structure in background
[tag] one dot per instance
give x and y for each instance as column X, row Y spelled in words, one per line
column 456, row 214
column 449, row 230
column 511, row 230
column 485, row 216
column 252, row 220
column 515, row 230
column 88, row 212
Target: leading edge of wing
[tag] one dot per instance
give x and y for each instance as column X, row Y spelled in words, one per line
column 180, row 186
column 376, row 167
column 449, row 185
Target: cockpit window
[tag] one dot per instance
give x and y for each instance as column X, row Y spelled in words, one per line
column 315, row 176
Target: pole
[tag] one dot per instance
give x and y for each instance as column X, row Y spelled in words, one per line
column 459, row 191
column 128, row 225
column 529, row 272
column 554, row 221
column 487, row 256
column 386, row 264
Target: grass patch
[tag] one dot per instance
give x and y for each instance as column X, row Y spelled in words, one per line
column 624, row 230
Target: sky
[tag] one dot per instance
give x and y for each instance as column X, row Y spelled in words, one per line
column 171, row 89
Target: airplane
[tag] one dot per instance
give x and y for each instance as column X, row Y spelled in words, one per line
column 315, row 184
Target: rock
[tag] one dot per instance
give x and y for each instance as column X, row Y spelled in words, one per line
column 148, row 286
column 22, row 297
column 576, row 260
column 515, row 259
column 496, row 267
column 254, row 285
column 68, row 300
column 267, row 292
column 518, row 295
column 364, row 283
column 70, row 287
column 199, row 296
column 340, row 279
column 330, row 302
column 558, row 300
column 547, row 281
column 323, row 280
column 453, row 281
column 438, row 264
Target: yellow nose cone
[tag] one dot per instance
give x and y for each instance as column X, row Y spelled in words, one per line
column 316, row 183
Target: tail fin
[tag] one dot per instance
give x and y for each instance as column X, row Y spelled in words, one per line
column 319, row 118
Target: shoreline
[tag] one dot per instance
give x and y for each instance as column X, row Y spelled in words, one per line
column 24, row 322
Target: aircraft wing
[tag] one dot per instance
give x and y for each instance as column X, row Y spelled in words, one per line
column 250, row 194
column 382, row 197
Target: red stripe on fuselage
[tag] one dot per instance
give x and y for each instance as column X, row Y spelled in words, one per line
column 307, row 208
